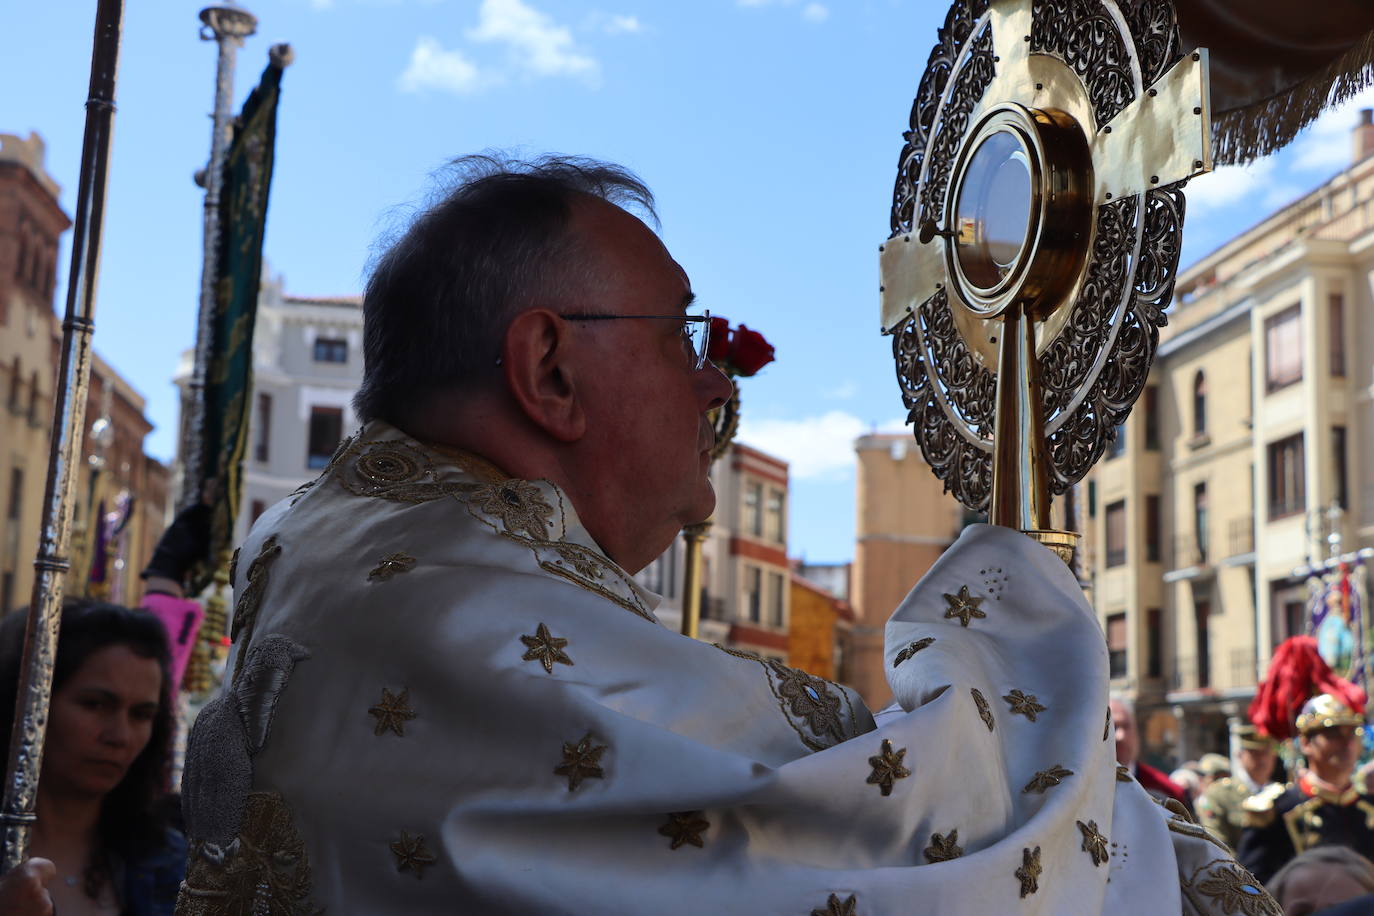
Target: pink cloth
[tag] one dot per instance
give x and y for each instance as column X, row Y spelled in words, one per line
column 181, row 617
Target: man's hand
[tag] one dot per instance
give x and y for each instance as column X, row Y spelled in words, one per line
column 24, row 891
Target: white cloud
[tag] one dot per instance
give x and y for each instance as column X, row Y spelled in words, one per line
column 843, row 391
column 811, row 12
column 432, row 67
column 535, row 44
column 815, row 447
column 321, row 4
column 623, row 25
column 815, row 12
column 1230, row 183
column 1325, row 145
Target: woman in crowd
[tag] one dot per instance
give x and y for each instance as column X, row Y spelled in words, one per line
column 102, row 806
column 1321, row 877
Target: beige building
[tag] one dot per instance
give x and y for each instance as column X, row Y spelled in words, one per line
column 1258, row 418
column 131, row 486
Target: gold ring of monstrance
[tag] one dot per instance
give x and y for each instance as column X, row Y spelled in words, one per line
column 1043, row 170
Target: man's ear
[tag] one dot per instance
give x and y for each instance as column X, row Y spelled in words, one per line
column 536, row 358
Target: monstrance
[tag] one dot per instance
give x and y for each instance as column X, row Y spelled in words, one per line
column 1036, row 229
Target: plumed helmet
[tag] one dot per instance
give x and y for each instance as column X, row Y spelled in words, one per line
column 1325, row 711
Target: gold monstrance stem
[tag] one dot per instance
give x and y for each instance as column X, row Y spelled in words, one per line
column 695, row 536
column 1020, row 484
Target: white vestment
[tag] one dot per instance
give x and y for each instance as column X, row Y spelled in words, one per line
column 447, row 700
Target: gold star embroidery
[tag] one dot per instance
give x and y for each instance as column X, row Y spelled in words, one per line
column 887, row 768
column 685, row 827
column 1046, row 778
column 984, row 711
column 411, row 854
column 943, row 848
column 1024, row 704
column 390, row 566
column 545, row 648
column 519, row 504
column 392, row 712
column 837, row 907
column 1235, row 889
column 912, row 649
column 1094, row 843
column 963, row 605
column 1123, row 773
column 1029, row 872
column 581, row 761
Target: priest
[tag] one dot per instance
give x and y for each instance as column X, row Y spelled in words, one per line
column 449, row 695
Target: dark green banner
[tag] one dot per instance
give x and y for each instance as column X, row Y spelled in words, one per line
column 229, row 373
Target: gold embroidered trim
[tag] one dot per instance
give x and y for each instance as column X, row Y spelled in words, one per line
column 1094, row 843
column 234, row 566
column 912, row 649
column 1107, row 727
column 393, row 469
column 1196, row 831
column 1123, row 773
column 942, row 848
column 265, row 870
column 1297, row 820
column 581, row 761
column 246, row 608
column 805, row 700
column 1024, row 704
column 630, row 603
column 1228, row 888
column 685, row 827
column 392, row 712
column 519, row 505
column 964, row 606
column 1047, row 778
column 412, row 854
column 545, row 648
column 984, row 711
column 1029, row 872
column 887, row 768
column 391, row 565
column 837, row 907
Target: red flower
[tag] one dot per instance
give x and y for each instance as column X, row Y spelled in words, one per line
column 749, row 351
column 718, row 348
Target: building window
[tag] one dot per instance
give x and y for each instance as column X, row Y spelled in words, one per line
column 1116, row 534
column 776, row 599
column 255, row 511
column 262, row 438
column 1202, row 610
column 1153, row 530
column 1339, row 486
column 1152, row 417
column 33, row 398
column 753, row 593
column 326, row 429
column 1117, row 446
column 16, row 500
column 331, row 350
column 1199, row 404
column 1336, row 333
column 16, row 385
column 1116, row 645
column 773, row 518
column 1283, row 348
column 1287, row 483
column 1200, row 527
column 1092, row 499
column 1154, row 643
column 753, row 508
column 1288, row 610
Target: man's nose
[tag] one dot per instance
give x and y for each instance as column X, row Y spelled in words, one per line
column 714, row 386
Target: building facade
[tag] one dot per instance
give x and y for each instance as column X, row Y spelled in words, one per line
column 109, row 547
column 1247, row 459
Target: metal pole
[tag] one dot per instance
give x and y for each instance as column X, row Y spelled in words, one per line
column 694, row 536
column 51, row 563
column 228, row 24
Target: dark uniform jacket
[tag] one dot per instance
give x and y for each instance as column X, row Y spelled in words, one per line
column 1281, row 824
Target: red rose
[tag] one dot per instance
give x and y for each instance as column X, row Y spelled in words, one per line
column 749, row 351
column 718, row 348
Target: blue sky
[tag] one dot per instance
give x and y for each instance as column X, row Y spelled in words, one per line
column 769, row 129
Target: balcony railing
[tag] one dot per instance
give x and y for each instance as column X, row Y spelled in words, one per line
column 1188, row 551
column 1240, row 536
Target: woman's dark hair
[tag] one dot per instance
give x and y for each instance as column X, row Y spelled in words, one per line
column 132, row 818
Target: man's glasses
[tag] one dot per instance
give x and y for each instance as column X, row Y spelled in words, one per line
column 696, row 331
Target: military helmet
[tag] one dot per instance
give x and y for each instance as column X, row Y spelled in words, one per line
column 1325, row 711
column 1251, row 738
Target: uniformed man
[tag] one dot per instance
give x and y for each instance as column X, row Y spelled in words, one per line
column 1323, row 807
column 1219, row 806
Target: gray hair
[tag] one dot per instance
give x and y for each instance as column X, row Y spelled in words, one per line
column 439, row 298
column 1342, row 857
